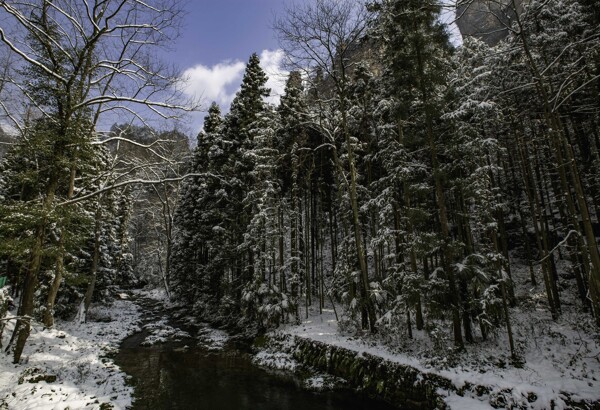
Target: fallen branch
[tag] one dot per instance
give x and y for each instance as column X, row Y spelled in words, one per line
column 25, row 318
column 561, row 243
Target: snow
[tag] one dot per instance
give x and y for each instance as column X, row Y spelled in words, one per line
column 73, row 355
column 156, row 294
column 275, row 360
column 278, row 356
column 454, row 401
column 562, row 358
column 162, row 332
column 324, row 328
column 212, row 339
column 315, row 383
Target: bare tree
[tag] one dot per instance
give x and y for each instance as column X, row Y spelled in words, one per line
column 79, row 62
column 320, row 37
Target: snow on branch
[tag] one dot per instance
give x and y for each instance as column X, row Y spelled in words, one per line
column 139, row 181
column 561, row 243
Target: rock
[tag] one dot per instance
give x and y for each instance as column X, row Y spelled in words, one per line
column 35, row 375
column 487, row 20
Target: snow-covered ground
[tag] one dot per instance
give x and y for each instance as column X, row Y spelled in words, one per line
column 560, row 357
column 275, row 360
column 212, row 339
column 161, row 331
column 65, row 367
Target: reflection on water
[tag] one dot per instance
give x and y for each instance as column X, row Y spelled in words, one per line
column 168, row 378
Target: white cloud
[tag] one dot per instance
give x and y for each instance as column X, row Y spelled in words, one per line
column 217, row 83
column 222, row 81
column 272, row 63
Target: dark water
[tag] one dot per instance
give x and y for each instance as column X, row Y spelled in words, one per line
column 166, row 377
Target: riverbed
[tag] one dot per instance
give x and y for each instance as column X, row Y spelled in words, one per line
column 185, row 374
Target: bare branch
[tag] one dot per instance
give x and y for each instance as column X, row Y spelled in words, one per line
column 139, row 181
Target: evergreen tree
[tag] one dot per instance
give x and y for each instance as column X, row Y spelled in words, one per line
column 475, row 172
column 555, row 155
column 246, row 108
column 417, row 53
column 198, row 250
column 263, row 298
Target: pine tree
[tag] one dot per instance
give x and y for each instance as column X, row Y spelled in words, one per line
column 416, row 53
column 246, row 108
column 199, row 248
column 475, row 169
column 263, row 299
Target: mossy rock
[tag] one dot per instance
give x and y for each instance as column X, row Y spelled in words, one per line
column 35, row 375
column 399, row 384
column 261, row 341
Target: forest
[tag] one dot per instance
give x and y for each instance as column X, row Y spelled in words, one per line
column 422, row 188
column 401, row 178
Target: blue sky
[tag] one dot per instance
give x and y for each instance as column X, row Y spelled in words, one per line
column 219, row 30
column 218, row 37
column 216, row 41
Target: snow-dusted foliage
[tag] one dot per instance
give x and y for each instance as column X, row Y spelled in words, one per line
column 401, row 177
column 67, row 74
column 427, row 194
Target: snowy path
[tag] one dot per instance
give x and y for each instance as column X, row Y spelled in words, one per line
column 561, row 364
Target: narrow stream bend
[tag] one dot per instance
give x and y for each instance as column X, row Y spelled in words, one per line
column 174, row 376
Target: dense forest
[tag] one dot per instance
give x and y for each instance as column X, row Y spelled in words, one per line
column 401, row 180
column 401, row 177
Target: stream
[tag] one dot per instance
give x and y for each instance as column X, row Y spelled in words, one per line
column 183, row 374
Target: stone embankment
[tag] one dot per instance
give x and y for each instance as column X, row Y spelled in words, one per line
column 403, row 385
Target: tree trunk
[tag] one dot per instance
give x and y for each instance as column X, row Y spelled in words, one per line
column 89, row 293
column 362, row 261
column 23, row 327
column 60, row 265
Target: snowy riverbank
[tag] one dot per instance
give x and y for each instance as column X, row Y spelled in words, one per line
column 561, row 359
column 562, row 362
column 67, row 367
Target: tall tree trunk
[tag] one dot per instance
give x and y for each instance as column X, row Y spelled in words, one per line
column 59, row 266
column 23, row 326
column 89, row 293
column 362, row 259
column 442, row 213
column 280, row 243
